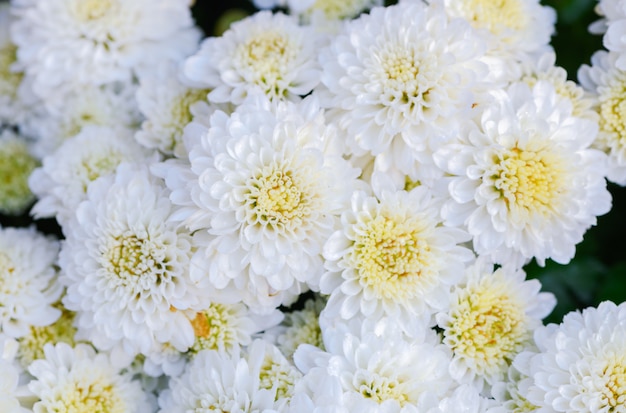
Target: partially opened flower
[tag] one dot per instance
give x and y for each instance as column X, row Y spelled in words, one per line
column 28, row 287
column 525, row 181
column 17, row 162
column 77, row 379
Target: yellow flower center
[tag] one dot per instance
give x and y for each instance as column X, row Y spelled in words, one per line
column 379, row 388
column 130, row 257
column 181, row 113
column 489, row 326
column 392, row 255
column 89, row 10
column 339, row 9
column 528, row 180
column 614, row 394
column 281, row 376
column 276, row 199
column 495, row 15
column 267, row 56
column 16, row 165
column 214, row 328
column 9, row 79
column 404, row 79
column 613, row 114
column 96, row 395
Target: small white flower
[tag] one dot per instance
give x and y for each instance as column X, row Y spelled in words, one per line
column 126, row 267
column 66, row 43
column 168, row 106
column 607, row 84
column 525, row 181
column 581, row 364
column 265, row 52
column 65, row 175
column 491, row 319
column 392, row 257
column 79, row 380
column 16, row 165
column 215, row 381
column 28, row 280
column 265, row 195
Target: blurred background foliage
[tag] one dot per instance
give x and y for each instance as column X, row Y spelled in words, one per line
column 598, row 271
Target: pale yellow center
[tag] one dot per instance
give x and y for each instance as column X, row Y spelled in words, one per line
column 613, row 115
column 404, row 79
column 181, row 113
column 276, row 198
column 281, row 376
column 380, row 388
column 267, row 56
column 129, row 257
column 614, row 394
column 489, row 327
column 495, row 15
column 339, row 9
column 214, row 328
column 528, row 180
column 16, row 165
column 88, row 396
column 391, row 255
column 88, row 10
column 9, row 79
column 564, row 88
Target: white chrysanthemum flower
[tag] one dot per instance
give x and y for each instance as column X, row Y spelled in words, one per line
column 31, row 345
column 581, row 364
column 299, row 327
column 62, row 181
column 513, row 29
column 543, row 68
column 525, row 181
column 392, row 257
column 96, row 42
column 168, row 106
column 16, row 165
column 398, row 81
column 607, row 84
column 66, row 115
column 491, row 319
column 12, row 108
column 276, row 373
column 265, row 52
column 126, row 266
column 215, row 381
column 79, row 380
column 265, row 196
column 330, row 10
column 378, row 370
column 28, row 286
column 228, row 327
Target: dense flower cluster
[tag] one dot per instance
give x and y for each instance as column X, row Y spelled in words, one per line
column 327, row 209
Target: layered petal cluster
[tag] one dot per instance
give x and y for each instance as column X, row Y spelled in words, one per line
column 525, row 182
column 65, row 43
column 126, row 267
column 264, row 192
column 399, row 80
column 265, row 52
column 581, row 363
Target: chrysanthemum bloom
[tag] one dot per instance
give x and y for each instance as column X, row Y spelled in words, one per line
column 378, row 370
column 168, row 106
column 393, row 257
column 512, row 29
column 28, row 287
column 215, row 381
column 79, row 380
column 607, row 84
column 525, row 181
column 126, row 267
column 581, row 364
column 65, row 115
column 265, row 196
column 265, row 52
column 228, row 327
column 65, row 175
column 65, row 43
column 399, row 79
column 11, row 106
column 491, row 319
column 330, row 10
column 16, row 165
column 543, row 68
